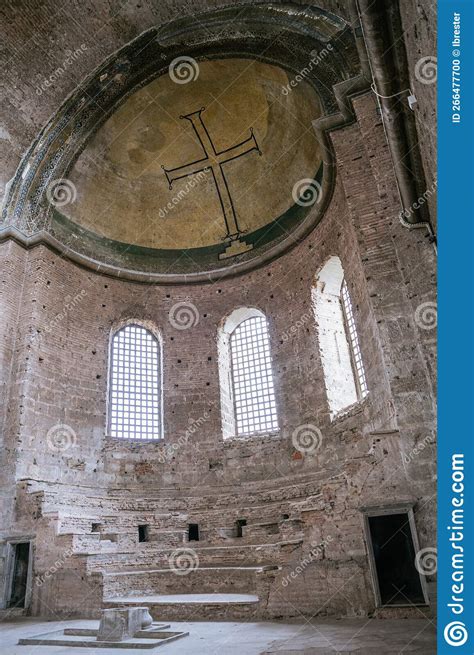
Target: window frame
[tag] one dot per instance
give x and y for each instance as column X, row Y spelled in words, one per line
column 154, row 332
column 345, row 389
column 227, row 384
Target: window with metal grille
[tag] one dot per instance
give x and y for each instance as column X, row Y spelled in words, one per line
column 356, row 357
column 252, row 379
column 341, row 358
column 135, row 396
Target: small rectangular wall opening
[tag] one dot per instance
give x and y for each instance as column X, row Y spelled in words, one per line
column 392, row 544
column 95, row 527
column 19, row 584
column 109, row 537
column 193, row 532
column 143, row 534
column 239, row 524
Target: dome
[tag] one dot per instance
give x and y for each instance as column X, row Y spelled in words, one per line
column 194, row 173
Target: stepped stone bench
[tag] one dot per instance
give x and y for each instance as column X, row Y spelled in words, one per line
column 119, row 627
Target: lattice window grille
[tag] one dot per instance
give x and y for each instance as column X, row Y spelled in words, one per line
column 252, row 378
column 135, row 384
column 358, row 365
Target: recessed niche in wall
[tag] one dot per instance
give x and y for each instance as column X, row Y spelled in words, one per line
column 193, row 532
column 239, row 524
column 143, row 534
column 95, row 527
column 109, row 537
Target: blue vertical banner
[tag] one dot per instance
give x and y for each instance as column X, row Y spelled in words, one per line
column 456, row 327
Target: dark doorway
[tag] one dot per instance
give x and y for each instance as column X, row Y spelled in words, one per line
column 394, row 554
column 240, row 523
column 193, row 532
column 143, row 535
column 21, row 558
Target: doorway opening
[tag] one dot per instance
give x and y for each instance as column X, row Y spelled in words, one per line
column 19, row 579
column 393, row 547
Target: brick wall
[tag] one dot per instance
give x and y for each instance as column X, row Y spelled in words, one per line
column 57, row 327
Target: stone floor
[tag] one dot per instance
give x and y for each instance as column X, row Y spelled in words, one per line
column 316, row 637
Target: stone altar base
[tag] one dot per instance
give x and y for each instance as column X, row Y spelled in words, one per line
column 119, row 628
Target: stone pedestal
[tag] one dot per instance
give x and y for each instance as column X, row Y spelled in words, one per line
column 119, row 624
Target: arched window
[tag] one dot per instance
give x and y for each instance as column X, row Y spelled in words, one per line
column 135, row 384
column 246, row 377
column 338, row 341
